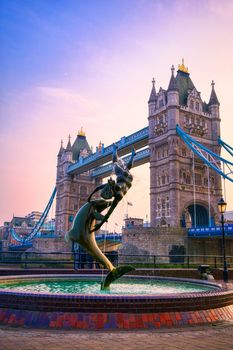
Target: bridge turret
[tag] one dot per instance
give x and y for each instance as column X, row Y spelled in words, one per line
column 172, row 91
column 68, row 151
column 61, row 150
column 213, row 102
column 214, row 111
column 152, row 99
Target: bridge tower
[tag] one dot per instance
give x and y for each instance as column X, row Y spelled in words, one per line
column 183, row 191
column 72, row 190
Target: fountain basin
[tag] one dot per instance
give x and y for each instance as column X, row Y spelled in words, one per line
column 112, row 311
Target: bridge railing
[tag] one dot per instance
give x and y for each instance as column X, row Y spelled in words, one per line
column 76, row 260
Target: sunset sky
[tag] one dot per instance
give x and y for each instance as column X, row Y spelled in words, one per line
column 71, row 63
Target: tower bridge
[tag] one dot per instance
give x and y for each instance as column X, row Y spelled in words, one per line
column 182, row 145
column 103, row 155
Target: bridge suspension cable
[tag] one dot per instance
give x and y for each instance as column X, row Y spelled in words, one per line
column 38, row 225
column 210, row 158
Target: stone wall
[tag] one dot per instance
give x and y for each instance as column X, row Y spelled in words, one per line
column 49, row 245
column 152, row 241
column 148, row 241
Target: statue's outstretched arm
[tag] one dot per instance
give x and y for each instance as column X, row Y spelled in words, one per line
column 105, row 219
column 130, row 162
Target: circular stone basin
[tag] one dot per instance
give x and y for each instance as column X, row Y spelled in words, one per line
column 124, row 286
column 65, row 301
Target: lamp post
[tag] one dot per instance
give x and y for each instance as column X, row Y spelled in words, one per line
column 222, row 208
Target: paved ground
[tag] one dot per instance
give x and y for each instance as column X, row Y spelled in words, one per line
column 209, row 337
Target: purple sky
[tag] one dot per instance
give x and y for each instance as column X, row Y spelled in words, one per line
column 72, row 63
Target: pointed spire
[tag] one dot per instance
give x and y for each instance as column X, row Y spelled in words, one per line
column 153, row 96
column 182, row 68
column 61, row 149
column 213, row 97
column 81, row 132
column 172, row 84
column 68, row 147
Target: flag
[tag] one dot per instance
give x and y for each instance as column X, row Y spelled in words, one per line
column 129, row 203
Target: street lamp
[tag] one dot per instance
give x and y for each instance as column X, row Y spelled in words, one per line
column 222, row 208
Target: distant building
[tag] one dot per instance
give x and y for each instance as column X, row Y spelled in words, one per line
column 34, row 215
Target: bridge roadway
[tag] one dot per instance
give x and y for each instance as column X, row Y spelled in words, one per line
column 138, row 140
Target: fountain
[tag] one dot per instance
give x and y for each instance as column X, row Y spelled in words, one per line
column 132, row 302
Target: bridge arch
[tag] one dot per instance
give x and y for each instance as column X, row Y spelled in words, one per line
column 197, row 215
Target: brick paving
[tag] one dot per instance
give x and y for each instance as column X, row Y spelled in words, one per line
column 209, row 337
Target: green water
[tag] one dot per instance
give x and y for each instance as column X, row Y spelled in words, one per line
column 74, row 286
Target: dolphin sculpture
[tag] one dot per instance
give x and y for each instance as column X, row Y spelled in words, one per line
column 85, row 221
column 82, row 232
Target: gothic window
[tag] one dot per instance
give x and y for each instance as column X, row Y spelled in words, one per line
column 188, row 179
column 212, row 181
column 163, row 203
column 161, row 104
column 198, row 179
column 183, row 177
column 191, row 104
column 183, row 151
column 163, row 222
column 205, row 182
column 167, row 176
column 83, row 190
column 163, row 178
column 197, row 106
column 159, row 181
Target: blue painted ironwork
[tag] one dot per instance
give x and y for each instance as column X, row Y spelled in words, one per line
column 20, row 247
column 113, row 237
column 215, row 231
column 227, row 147
column 210, row 158
column 141, row 157
column 137, row 139
column 38, row 225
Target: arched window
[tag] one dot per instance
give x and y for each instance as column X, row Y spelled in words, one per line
column 188, row 179
column 163, row 178
column 83, row 190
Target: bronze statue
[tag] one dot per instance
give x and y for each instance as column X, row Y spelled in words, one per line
column 84, row 224
column 116, row 189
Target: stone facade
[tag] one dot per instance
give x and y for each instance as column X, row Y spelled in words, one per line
column 174, row 170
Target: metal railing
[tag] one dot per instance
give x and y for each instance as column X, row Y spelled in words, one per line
column 76, row 260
